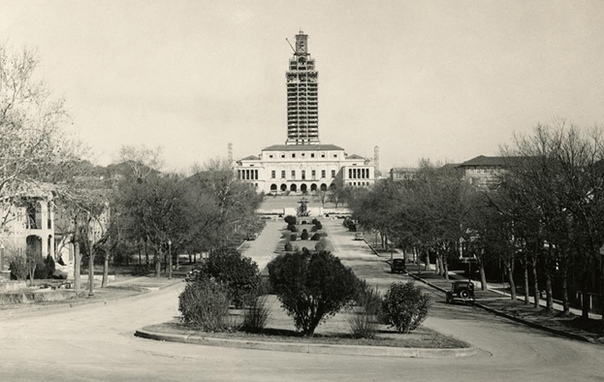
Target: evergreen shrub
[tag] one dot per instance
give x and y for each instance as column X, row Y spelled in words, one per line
column 204, row 304
column 405, row 307
column 238, row 273
column 311, row 286
column 290, row 219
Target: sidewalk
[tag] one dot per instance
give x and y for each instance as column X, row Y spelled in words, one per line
column 499, row 302
column 122, row 287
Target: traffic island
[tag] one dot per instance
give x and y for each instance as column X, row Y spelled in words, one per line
column 333, row 336
column 320, row 344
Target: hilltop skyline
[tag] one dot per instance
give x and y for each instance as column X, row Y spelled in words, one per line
column 444, row 80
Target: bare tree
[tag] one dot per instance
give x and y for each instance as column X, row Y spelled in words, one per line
column 32, row 143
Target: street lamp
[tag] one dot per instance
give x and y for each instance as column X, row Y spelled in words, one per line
column 169, row 259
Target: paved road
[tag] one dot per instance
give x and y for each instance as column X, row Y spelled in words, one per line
column 96, row 343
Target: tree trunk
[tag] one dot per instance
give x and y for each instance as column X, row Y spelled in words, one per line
column 106, row 265
column 510, row 273
column 428, row 267
column 549, row 296
column 140, row 260
column 585, row 294
column 77, row 263
column 483, row 275
column 90, row 272
column 445, row 268
column 565, row 301
column 525, row 267
column 158, row 262
column 437, row 265
column 536, row 291
column 146, row 254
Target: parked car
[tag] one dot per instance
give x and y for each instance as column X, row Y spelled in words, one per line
column 398, row 266
column 252, row 236
column 461, row 290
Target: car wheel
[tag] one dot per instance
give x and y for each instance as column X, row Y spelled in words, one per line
column 464, row 294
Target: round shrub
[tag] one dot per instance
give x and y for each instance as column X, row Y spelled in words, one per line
column 293, row 237
column 288, row 247
column 314, row 221
column 319, row 225
column 316, row 237
column 238, row 273
column 405, row 307
column 290, row 220
column 303, row 221
column 204, row 304
column 292, row 228
column 314, row 228
column 304, row 235
column 311, row 286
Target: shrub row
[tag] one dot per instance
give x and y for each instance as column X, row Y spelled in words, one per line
column 311, row 286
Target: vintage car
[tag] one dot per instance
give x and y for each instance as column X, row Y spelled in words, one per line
column 461, row 290
column 398, row 266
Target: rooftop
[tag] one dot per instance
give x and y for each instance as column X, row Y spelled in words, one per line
column 303, row 148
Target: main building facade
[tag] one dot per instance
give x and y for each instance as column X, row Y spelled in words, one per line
column 303, row 164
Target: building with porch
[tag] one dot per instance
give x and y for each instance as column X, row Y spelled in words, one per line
column 28, row 226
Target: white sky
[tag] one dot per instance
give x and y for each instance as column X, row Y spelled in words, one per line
column 447, row 80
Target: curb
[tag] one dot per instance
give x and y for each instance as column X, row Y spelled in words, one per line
column 497, row 312
column 374, row 351
column 573, row 336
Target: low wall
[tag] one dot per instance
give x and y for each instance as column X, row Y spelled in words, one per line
column 40, row 295
column 12, row 285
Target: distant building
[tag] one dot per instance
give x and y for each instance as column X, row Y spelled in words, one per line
column 402, row 173
column 303, row 164
column 29, row 226
column 486, row 171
